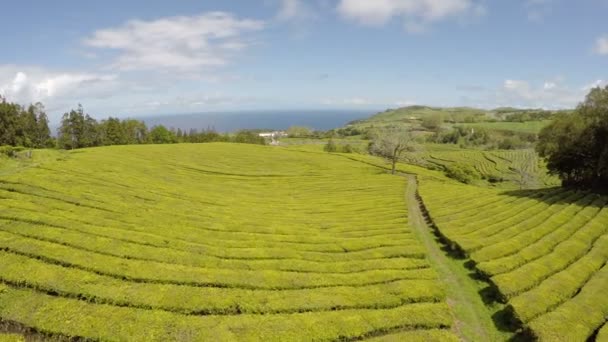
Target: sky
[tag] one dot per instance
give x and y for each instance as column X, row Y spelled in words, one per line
column 150, row 57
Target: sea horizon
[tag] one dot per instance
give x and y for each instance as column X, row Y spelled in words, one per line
column 230, row 121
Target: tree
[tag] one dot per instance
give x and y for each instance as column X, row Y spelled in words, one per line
column 575, row 145
column 79, row 130
column 391, row 143
column 113, row 132
column 161, row 135
column 135, row 131
column 9, row 123
column 249, row 137
column 27, row 127
column 42, row 136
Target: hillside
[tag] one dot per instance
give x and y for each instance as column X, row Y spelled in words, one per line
column 499, row 119
column 544, row 252
column 223, row 241
column 213, row 241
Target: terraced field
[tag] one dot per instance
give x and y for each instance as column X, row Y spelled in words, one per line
column 510, row 165
column 545, row 251
column 214, row 242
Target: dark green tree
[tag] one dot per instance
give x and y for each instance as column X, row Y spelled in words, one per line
column 575, row 145
column 113, row 132
column 9, row 123
column 161, row 135
column 79, row 130
column 42, row 136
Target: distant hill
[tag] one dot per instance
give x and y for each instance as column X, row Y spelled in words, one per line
column 505, row 118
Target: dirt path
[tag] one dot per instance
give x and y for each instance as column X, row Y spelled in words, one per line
column 473, row 319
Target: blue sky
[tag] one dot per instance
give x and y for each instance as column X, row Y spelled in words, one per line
column 130, row 58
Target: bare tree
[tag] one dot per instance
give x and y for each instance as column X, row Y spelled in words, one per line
column 391, row 143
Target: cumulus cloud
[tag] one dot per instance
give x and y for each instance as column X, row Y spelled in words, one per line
column 417, row 14
column 26, row 85
column 183, row 43
column 601, row 45
column 548, row 94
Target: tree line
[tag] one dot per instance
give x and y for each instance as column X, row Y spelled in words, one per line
column 24, row 126
column 29, row 127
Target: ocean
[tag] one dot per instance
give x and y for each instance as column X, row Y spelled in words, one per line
column 271, row 120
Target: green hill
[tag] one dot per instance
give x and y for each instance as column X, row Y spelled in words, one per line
column 221, row 241
column 543, row 251
column 499, row 119
column 213, row 242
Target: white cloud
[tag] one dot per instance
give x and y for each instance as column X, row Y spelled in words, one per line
column 26, row 85
column 417, row 14
column 549, row 85
column 294, row 10
column 594, row 84
column 182, row 44
column 549, row 94
column 601, row 45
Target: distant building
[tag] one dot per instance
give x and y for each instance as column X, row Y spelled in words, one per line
column 274, row 136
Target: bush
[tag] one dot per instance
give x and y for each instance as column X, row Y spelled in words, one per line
column 11, row 151
column 348, row 148
column 331, row 146
column 462, row 172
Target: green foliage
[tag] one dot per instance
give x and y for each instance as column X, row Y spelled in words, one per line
column 330, row 146
column 161, row 135
column 299, row 132
column 249, row 137
column 79, row 130
column 348, row 148
column 462, row 172
column 576, row 145
column 24, row 127
column 432, row 122
column 392, row 143
column 10, row 151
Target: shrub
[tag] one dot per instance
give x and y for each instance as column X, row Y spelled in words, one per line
column 331, row 146
column 462, row 172
column 348, row 148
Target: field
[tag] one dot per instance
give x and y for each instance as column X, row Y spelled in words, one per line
column 545, row 252
column 220, row 241
column 524, row 127
column 516, row 168
column 213, row 242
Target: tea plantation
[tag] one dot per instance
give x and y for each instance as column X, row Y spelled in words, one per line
column 212, row 242
column 543, row 251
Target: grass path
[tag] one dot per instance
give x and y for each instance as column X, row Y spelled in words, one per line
column 473, row 319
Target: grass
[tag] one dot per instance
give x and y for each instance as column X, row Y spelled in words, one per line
column 523, row 127
column 213, row 241
column 472, row 317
